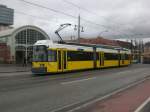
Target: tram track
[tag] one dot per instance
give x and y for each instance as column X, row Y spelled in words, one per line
column 43, row 93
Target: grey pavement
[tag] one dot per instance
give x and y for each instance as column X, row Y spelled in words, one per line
column 14, row 70
column 46, row 93
column 9, row 68
column 146, row 108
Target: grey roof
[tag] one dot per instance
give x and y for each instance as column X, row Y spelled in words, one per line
column 12, row 31
column 6, row 32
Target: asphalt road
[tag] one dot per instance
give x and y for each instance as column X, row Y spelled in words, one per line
column 62, row 92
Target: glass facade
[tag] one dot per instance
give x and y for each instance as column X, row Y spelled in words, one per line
column 3, row 40
column 24, row 41
column 19, row 43
column 6, row 15
column 29, row 37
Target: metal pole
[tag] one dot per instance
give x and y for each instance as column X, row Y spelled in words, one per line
column 79, row 28
column 131, row 47
column 26, row 52
column 140, row 51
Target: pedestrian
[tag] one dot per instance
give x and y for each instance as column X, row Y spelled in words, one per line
column 24, row 61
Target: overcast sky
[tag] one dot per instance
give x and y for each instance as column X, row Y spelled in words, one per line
column 120, row 18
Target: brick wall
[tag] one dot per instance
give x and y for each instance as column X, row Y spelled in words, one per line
column 100, row 40
column 146, row 54
column 4, row 53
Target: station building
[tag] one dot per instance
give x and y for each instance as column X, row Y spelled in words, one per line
column 6, row 17
column 16, row 43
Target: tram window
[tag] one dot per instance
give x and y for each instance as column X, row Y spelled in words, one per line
column 79, row 56
column 126, row 56
column 111, row 56
column 39, row 53
column 52, row 55
column 97, row 56
column 115, row 56
column 123, row 56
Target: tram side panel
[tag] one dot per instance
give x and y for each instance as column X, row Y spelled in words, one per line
column 79, row 60
column 61, row 60
column 100, row 59
column 111, row 60
column 125, row 59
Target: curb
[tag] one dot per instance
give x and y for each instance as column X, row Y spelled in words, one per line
column 77, row 108
column 144, row 107
column 15, row 71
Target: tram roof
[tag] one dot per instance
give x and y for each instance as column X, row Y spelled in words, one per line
column 50, row 42
column 98, row 46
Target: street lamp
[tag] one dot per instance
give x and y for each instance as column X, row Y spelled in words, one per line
column 75, row 28
column 80, row 29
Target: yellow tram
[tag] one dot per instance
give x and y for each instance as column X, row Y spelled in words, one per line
column 49, row 57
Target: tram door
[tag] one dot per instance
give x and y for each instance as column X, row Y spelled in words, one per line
column 62, row 60
column 101, row 59
column 119, row 59
column 123, row 58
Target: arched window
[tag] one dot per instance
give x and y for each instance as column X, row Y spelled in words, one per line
column 31, row 35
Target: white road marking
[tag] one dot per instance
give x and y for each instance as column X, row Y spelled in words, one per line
column 143, row 105
column 75, row 81
column 98, row 99
column 108, row 95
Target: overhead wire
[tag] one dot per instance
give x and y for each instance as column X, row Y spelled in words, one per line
column 79, row 7
column 33, row 16
column 74, row 17
column 63, row 13
column 88, row 11
column 51, row 9
column 60, row 12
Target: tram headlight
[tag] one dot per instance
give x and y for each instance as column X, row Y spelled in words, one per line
column 41, row 65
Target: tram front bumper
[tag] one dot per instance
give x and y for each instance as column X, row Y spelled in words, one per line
column 39, row 70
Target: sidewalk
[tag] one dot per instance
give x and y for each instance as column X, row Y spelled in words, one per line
column 125, row 101
column 12, row 68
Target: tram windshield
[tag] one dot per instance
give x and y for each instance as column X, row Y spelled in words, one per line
column 40, row 53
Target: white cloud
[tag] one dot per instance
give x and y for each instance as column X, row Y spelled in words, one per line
column 120, row 17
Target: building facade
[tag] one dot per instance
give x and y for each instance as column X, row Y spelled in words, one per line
column 146, row 54
column 103, row 41
column 18, row 43
column 4, row 53
column 6, row 17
